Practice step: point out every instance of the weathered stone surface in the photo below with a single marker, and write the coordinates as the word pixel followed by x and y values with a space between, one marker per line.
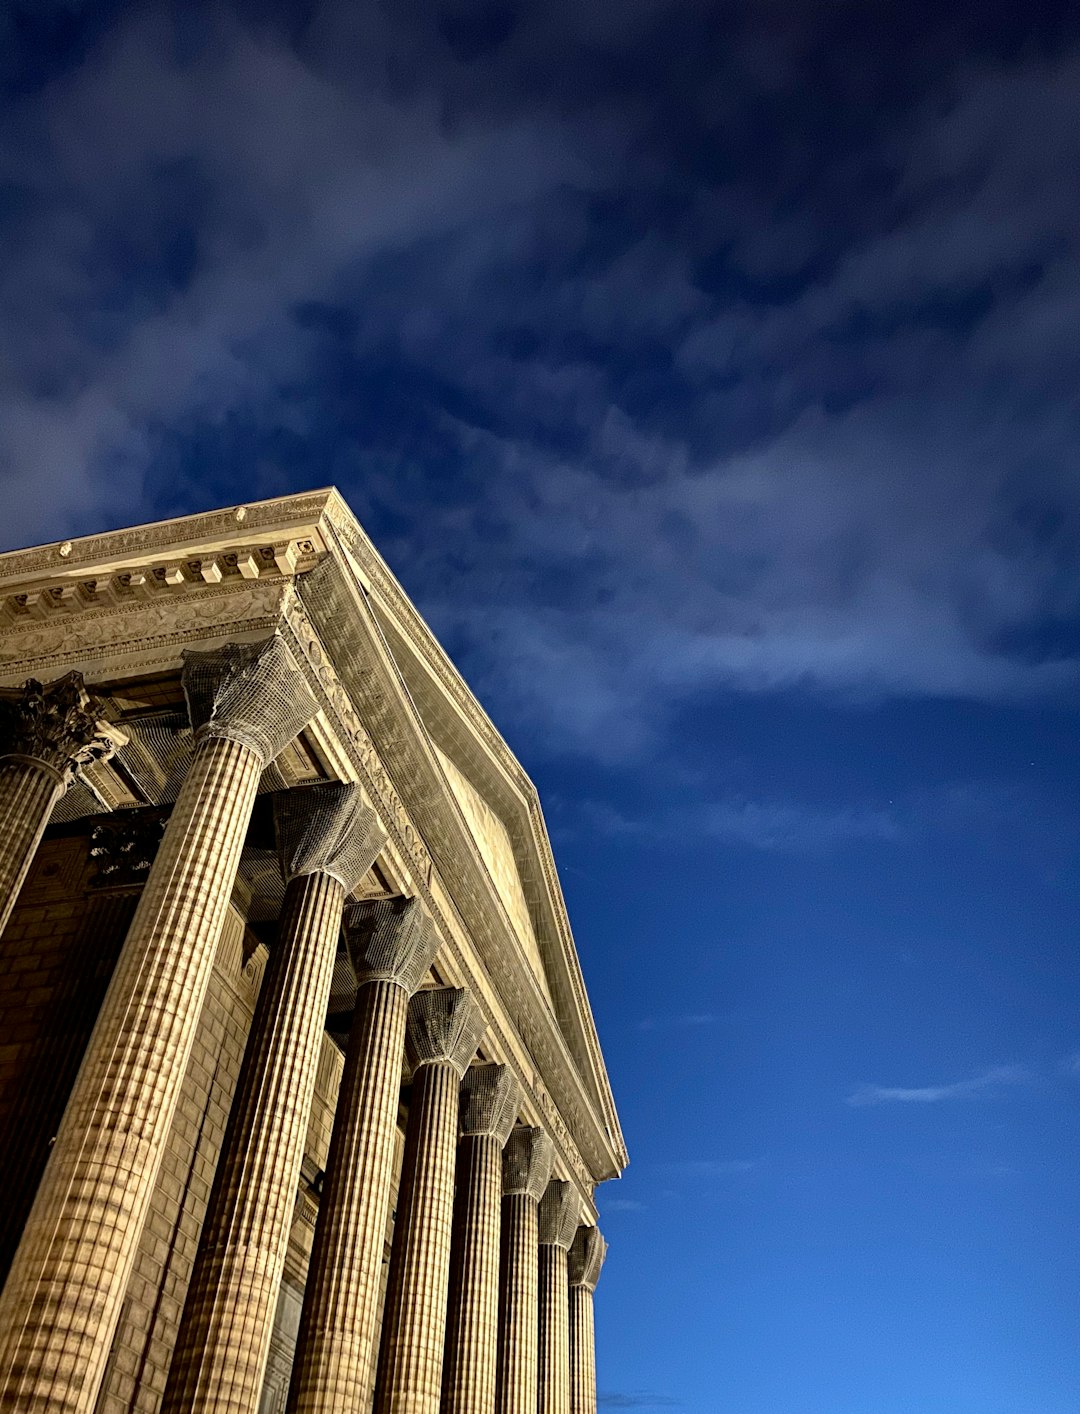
pixel 393 945
pixel 490 1098
pixel 61 1303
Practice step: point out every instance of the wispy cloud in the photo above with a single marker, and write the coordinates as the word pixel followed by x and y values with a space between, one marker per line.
pixel 1071 1064
pixel 637 1400
pixel 622 1205
pixel 985 1083
pixel 684 1021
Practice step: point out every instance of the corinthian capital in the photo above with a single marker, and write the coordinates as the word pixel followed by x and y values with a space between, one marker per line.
pixel 327 829
pixel 444 1027
pixel 490 1100
pixel 587 1253
pixel 252 693
pixel 60 724
pixel 527 1161
pixel 559 1214
pixel 391 940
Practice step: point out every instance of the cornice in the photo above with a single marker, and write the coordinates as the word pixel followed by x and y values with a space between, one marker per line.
pixel 134 543
pixel 338 706
pixel 375 691
pixel 381 581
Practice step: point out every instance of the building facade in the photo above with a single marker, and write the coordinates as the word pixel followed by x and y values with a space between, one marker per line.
pixel 301 1097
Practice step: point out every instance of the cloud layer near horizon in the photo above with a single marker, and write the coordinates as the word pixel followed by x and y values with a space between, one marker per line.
pixel 662 355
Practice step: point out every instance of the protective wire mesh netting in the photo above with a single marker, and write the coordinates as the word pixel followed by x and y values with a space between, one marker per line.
pixel 558 1214
pixel 527 1162
pixel 327 829
pixel 445 1024
pixel 587 1253
pixel 391 940
pixel 490 1100
pixel 249 692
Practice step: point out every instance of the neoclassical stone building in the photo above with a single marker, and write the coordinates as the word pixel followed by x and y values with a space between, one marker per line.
pixel 301 1101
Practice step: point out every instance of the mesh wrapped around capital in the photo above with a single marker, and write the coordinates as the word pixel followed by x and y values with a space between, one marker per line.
pixel 252 693
pixel 327 829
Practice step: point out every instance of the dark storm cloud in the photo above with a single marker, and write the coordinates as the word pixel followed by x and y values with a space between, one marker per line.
pixel 665 347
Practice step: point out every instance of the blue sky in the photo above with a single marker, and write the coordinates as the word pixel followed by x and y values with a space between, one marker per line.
pixel 708 376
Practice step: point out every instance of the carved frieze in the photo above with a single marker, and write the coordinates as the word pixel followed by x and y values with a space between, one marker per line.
pixel 141 628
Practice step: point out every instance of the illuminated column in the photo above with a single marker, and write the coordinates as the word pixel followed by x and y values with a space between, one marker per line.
pixel 392 943
pixel 558 1221
pixel 46 734
pixel 587 1254
pixel 527 1161
pixel 490 1100
pixel 327 840
pixel 445 1026
pixel 59 1309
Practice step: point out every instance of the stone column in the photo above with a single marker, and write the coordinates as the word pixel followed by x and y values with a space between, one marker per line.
pixel 46 735
pixel 490 1100
pixel 527 1161
pixel 445 1026
pixel 587 1254
pixel 558 1221
pixel 392 943
pixel 327 840
pixel 59 1309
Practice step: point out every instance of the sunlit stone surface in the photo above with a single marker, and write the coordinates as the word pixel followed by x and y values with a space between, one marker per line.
pixel 303 1066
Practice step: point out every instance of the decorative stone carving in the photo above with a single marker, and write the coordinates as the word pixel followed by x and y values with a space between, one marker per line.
pixel 558 1215
pixel 145 634
pixel 445 1026
pixel 587 1253
pixel 527 1161
pixel 252 693
pixel 327 829
pixel 490 1100
pixel 124 847
pixel 59 724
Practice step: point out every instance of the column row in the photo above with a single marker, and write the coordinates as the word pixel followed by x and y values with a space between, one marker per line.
pixel 488 1300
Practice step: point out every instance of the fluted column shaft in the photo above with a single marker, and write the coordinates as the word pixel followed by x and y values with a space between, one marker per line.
pixel 582 1352
pixel 444 1027
pixel 527 1161
pixel 224 1338
pixel 554 1344
pixel 585 1259
pixel 28 791
pixel 332 1366
pixel 519 1316
pixel 473 1316
pixel 558 1222
pixel 490 1100
pixel 61 1303
pixel 410 1374
pixel 62 1298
